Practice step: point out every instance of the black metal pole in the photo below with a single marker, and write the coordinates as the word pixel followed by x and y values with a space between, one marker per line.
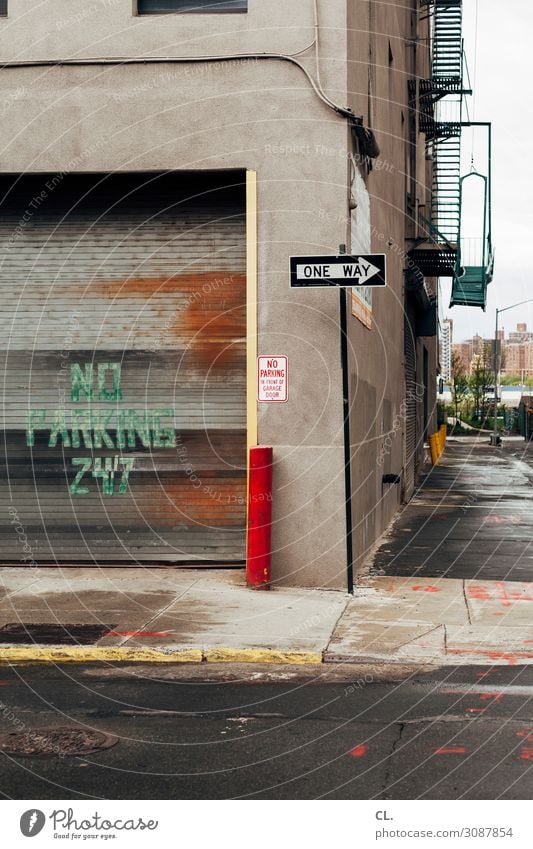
pixel 346 426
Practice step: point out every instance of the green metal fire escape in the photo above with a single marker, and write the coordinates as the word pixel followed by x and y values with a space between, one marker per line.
pixel 437 251
pixel 475 256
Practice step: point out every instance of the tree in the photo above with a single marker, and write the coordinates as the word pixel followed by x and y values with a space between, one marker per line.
pixel 458 382
pixel 481 380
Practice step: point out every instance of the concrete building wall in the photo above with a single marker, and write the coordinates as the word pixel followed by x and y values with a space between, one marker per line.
pixel 377 83
pixel 261 115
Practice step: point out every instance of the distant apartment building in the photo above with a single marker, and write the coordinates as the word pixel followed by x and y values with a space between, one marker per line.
pixel 464 352
pixel 520 335
pixel 469 349
pixel 518 353
pixel 528 358
pixel 514 358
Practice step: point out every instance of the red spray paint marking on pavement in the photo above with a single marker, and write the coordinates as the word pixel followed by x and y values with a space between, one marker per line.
pixel 477 592
pixel 526 754
pixel 425 589
pixel 527 734
pixel 450 750
pixel 502 593
pixel 139 633
pixel 359 751
pixel 512 658
pixel 493 697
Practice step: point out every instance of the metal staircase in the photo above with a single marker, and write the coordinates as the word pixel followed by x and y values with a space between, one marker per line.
pixel 439 104
pixel 445 194
pixel 447 64
pixel 447 94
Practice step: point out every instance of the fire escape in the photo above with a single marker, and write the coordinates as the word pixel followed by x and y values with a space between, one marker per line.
pixel 439 249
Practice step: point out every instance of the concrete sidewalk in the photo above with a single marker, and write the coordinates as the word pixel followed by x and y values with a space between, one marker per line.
pixel 209 615
pixel 172 615
pixel 444 621
pixel 449 585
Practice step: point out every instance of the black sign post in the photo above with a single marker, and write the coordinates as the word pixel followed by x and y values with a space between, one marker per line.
pixel 338 271
pixel 342 272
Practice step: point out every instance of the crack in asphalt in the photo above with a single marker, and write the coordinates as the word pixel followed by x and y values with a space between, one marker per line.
pixel 388 765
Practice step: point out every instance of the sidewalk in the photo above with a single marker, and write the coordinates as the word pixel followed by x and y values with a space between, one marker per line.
pixel 163 615
pixel 451 584
pixel 453 578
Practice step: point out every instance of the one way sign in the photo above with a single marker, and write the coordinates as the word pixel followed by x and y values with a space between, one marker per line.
pixel 345 270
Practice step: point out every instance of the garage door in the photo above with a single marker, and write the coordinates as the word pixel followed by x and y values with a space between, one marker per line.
pixel 123 357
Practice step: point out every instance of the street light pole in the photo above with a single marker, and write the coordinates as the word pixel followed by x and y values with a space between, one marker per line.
pixel 497 367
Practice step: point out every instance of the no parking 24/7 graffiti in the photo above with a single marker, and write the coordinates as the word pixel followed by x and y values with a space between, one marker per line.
pixel 93 427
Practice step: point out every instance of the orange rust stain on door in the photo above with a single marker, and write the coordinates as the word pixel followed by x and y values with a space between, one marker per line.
pixel 209 316
pixel 215 323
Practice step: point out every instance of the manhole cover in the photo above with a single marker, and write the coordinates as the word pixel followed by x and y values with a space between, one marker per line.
pixel 53 633
pixel 55 742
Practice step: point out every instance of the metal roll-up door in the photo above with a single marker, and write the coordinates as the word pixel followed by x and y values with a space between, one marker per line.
pixel 411 410
pixel 123 358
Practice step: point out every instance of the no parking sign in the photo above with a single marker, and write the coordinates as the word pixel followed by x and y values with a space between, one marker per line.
pixel 273 379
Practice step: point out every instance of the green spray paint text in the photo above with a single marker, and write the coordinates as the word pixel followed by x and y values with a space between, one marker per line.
pixel 100 428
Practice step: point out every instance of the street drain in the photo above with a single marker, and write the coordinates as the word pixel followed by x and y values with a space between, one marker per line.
pixel 55 742
pixel 54 633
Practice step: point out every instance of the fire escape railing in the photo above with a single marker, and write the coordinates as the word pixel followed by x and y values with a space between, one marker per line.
pixel 439 105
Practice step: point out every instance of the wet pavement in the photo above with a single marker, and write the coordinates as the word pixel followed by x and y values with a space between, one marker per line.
pixel 471 517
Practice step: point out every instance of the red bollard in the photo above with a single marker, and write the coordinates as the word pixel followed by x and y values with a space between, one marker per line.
pixel 259 519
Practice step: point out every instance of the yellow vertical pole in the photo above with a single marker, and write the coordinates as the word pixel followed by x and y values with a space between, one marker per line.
pixel 251 328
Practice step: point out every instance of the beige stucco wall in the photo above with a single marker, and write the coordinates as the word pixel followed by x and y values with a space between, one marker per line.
pixel 377 88
pixel 257 115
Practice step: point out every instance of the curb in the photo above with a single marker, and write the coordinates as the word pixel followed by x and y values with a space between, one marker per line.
pixel 122 654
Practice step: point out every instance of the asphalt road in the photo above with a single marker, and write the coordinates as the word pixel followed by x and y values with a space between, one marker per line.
pixel 274 733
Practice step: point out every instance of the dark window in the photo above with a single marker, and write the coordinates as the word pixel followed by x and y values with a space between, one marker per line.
pixel 3 7
pixel 154 7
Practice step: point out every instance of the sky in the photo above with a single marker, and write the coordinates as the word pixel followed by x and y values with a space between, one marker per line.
pixel 500 65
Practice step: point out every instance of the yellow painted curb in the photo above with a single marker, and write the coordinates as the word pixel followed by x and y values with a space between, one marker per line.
pixel 231 655
pixel 88 654
pixel 91 654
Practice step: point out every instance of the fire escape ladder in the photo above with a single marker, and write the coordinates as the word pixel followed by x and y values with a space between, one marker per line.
pixel 475 258
pixel 439 104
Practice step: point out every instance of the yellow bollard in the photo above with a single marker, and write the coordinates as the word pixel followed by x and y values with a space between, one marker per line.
pixel 443 435
pixel 434 448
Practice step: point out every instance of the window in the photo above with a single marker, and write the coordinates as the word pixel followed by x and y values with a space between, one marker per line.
pixel 155 7
pixel 3 8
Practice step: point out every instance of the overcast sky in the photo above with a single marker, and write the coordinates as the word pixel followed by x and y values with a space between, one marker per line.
pixel 503 95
